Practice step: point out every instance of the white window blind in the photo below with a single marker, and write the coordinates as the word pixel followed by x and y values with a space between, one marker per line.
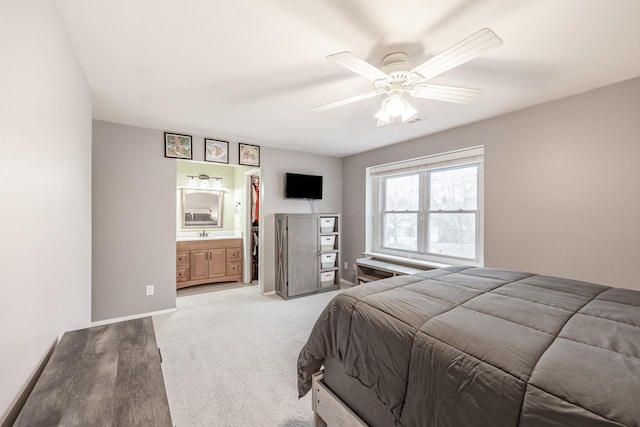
pixel 452 158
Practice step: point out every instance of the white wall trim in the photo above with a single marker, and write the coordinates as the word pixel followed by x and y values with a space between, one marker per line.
pixel 269 293
pixel 132 317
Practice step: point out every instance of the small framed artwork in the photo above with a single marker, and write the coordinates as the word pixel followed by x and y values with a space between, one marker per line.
pixel 177 146
pixel 249 155
pixel 216 151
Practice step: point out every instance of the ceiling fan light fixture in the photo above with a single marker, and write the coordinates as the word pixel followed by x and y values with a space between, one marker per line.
pixel 383 116
pixel 394 105
pixel 408 112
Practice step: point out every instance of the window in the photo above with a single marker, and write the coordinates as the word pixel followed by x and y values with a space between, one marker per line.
pixel 429 209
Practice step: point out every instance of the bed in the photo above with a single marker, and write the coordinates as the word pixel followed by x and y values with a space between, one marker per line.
pixel 464 346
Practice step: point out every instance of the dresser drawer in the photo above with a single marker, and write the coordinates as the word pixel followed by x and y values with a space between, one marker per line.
pixel 233 268
pixel 183 258
pixel 182 274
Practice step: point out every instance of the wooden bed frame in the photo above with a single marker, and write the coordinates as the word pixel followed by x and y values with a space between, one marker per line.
pixel 328 409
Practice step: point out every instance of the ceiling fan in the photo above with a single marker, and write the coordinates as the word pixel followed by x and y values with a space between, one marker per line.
pixel 397 77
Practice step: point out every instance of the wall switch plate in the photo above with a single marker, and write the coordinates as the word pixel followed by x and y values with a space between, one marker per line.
pixel 346 265
pixel 150 289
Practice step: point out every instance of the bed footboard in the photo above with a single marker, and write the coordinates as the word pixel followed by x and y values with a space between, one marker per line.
pixel 328 409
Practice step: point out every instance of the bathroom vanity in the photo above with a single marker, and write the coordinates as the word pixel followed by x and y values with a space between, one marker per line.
pixel 212 260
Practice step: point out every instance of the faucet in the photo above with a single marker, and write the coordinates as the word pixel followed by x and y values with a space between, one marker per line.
pixel 203 234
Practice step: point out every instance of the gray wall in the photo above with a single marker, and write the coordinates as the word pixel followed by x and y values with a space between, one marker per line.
pixel 134 205
pixel 561 186
pixel 134 224
pixel 275 163
pixel 45 190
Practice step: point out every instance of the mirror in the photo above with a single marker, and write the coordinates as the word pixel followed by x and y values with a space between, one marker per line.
pixel 201 208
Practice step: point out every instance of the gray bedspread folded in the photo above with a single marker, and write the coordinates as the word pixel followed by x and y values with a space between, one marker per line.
pixel 466 346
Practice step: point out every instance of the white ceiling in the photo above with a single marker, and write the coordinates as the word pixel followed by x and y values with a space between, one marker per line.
pixel 249 70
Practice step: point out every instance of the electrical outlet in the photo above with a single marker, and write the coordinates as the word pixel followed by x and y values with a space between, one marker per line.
pixel 150 289
pixel 353 267
pixel 346 265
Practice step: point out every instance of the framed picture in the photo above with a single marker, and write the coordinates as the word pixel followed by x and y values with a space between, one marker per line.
pixel 249 155
pixel 177 146
pixel 216 151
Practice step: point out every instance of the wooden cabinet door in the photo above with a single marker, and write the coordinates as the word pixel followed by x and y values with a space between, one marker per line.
pixel 217 262
pixel 199 264
pixel 302 254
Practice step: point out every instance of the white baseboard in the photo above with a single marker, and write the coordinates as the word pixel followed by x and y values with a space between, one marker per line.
pixel 269 293
pixel 132 317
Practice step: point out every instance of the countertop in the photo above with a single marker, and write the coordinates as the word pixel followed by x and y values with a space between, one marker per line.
pixel 213 237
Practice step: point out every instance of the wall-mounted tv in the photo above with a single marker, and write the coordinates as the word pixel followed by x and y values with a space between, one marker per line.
pixel 299 186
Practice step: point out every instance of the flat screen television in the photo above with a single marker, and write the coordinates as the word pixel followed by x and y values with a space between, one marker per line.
pixel 299 186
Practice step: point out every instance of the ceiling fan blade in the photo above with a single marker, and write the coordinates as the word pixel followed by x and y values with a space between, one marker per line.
pixel 460 95
pixel 346 101
pixel 458 54
pixel 358 66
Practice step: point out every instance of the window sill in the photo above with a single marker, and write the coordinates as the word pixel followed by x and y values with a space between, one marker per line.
pixel 406 261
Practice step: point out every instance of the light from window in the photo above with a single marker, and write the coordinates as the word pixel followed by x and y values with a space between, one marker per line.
pixel 453 189
pixel 402 193
pixel 452 234
pixel 452 227
pixel 401 204
pixel 400 231
pixel 430 211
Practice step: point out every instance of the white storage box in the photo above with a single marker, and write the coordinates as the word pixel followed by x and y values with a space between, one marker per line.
pixel 327 278
pixel 327 242
pixel 327 224
pixel 328 260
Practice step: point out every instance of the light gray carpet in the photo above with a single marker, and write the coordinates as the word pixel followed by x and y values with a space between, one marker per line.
pixel 229 358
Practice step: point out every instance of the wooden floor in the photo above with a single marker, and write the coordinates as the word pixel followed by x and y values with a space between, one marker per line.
pixel 102 376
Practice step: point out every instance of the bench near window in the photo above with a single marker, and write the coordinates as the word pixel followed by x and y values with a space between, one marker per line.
pixel 370 269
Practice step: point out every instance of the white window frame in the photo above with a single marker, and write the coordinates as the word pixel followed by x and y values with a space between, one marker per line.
pixel 375 200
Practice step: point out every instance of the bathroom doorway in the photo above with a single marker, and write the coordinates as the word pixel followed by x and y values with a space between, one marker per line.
pixel 236 222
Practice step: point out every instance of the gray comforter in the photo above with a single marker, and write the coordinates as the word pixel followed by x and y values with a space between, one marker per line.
pixel 483 347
